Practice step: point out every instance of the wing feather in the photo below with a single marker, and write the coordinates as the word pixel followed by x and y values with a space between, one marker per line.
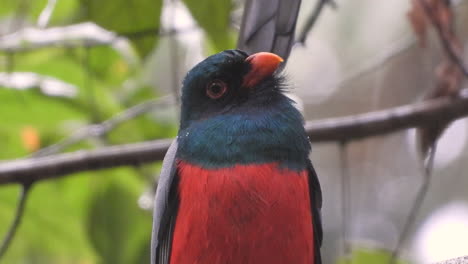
pixel 165 208
pixel 315 193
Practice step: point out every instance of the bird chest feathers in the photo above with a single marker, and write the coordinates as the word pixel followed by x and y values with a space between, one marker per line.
pixel 243 189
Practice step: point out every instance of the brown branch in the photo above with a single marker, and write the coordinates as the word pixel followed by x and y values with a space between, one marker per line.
pixel 35 169
pixel 334 129
pixel 450 50
pixel 388 121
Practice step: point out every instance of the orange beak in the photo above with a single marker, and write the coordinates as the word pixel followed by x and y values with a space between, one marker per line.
pixel 263 64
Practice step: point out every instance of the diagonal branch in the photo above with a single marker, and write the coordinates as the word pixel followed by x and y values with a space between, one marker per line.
pixel 449 48
pixel 46 14
pixel 313 18
pixel 418 201
pixel 334 129
pixel 97 130
pixel 16 219
pixel 390 120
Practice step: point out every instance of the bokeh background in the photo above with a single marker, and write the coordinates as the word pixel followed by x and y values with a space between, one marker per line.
pixel 66 64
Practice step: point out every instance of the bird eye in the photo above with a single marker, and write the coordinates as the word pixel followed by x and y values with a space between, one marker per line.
pixel 216 89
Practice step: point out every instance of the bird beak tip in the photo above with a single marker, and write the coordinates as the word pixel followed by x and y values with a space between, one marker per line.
pixel 263 64
pixel 265 58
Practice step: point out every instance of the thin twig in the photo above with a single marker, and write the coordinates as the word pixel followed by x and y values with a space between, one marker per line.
pixel 345 200
pixel 20 13
pixel 97 130
pixel 313 18
pixel 89 87
pixel 338 129
pixel 17 218
pixel 46 14
pixel 448 47
pixel 421 194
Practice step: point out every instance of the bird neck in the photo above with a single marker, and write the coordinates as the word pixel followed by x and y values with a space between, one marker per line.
pixel 254 135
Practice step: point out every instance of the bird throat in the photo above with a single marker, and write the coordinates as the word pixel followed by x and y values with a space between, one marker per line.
pixel 255 137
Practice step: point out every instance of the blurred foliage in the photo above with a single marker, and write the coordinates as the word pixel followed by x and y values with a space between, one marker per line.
pixel 211 16
pixel 92 217
pixel 125 17
pixel 364 255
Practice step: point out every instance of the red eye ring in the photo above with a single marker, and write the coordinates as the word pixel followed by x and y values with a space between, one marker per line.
pixel 216 89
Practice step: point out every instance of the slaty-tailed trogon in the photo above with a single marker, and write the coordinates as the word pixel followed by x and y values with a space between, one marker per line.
pixel 237 185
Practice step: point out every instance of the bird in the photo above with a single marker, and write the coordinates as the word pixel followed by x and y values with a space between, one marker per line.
pixel 237 184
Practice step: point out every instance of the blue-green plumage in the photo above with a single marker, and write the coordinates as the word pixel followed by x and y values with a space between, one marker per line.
pixel 272 133
pixel 246 126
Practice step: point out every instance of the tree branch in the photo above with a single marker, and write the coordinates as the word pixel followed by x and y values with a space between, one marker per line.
pixel 313 18
pixel 47 85
pixel 78 35
pixel 35 169
pixel 97 130
pixel 418 201
pixel 46 14
pixel 449 48
pixel 16 220
pixel 69 36
pixel 390 120
pixel 345 202
pixel 333 129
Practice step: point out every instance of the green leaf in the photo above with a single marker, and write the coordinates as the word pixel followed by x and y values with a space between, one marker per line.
pixel 64 12
pixel 107 65
pixel 214 17
pixel 28 9
pixel 125 16
pixel 51 231
pixel 117 227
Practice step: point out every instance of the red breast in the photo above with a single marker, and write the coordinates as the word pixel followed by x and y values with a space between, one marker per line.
pixel 242 214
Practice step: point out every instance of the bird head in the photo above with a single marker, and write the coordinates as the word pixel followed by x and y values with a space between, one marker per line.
pixel 229 81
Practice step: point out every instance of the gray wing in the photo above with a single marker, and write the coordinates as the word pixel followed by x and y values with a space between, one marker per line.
pixel 268 25
pixel 162 218
pixel 315 193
